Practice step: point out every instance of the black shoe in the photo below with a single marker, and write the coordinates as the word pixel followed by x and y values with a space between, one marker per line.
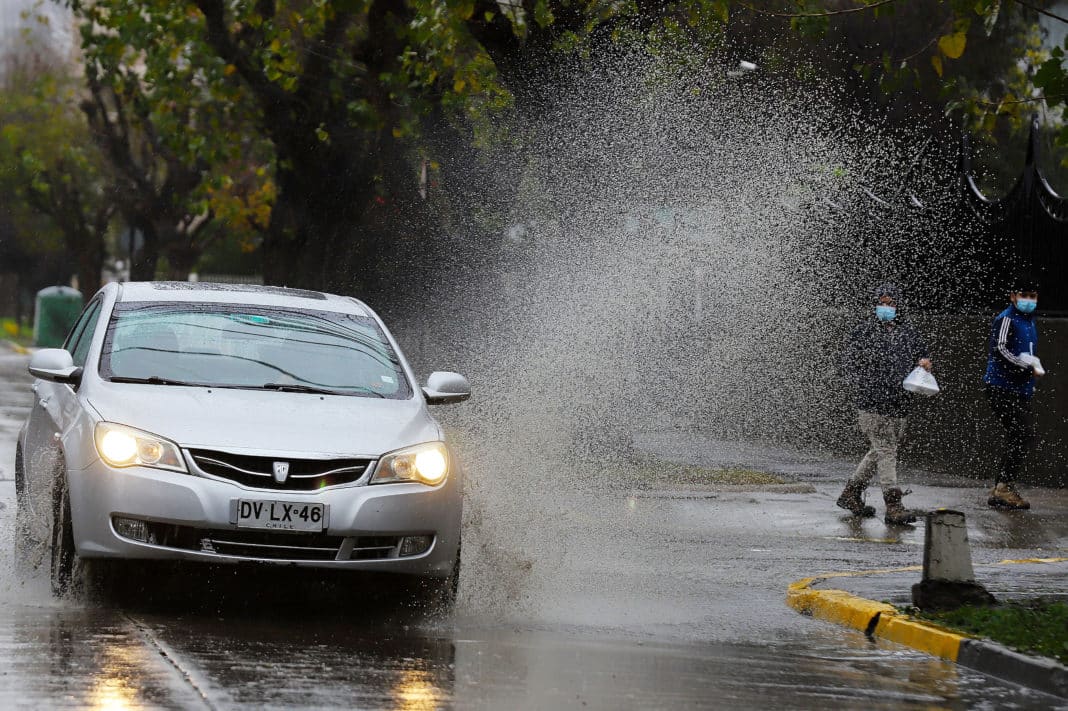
pixel 851 501
pixel 896 514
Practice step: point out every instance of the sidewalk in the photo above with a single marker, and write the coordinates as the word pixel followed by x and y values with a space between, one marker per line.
pixel 1006 581
pixel 876 553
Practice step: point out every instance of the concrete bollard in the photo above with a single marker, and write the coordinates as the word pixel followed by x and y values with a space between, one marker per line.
pixel 948 576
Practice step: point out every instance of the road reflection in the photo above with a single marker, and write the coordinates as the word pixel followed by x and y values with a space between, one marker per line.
pixel 381 655
pixel 80 658
pixel 416 691
pixel 114 688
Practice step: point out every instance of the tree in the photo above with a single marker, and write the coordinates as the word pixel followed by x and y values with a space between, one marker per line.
pixel 350 96
pixel 47 152
pixel 173 127
pixel 331 98
pixel 978 61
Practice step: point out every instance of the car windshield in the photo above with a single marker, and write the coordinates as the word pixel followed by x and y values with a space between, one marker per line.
pixel 224 345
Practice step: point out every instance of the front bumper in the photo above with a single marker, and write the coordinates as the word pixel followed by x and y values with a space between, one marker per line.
pixel 195 508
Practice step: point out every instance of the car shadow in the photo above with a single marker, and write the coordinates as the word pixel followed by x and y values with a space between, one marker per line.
pixel 255 591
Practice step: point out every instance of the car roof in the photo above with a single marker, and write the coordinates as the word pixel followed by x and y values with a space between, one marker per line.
pixel 246 294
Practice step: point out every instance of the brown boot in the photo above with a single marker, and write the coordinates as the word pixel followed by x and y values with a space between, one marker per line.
pixel 896 514
pixel 1005 496
pixel 851 500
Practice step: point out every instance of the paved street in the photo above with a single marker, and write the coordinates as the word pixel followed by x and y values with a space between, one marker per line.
pixel 571 598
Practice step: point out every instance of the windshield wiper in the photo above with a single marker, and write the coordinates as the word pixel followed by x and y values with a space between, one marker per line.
pixel 156 380
pixel 298 388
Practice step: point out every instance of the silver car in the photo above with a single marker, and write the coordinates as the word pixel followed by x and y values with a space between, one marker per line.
pixel 223 423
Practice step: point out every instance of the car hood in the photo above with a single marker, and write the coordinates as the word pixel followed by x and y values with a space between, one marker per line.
pixel 267 421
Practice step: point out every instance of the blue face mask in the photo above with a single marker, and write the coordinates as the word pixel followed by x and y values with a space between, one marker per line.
pixel 885 313
pixel 1026 305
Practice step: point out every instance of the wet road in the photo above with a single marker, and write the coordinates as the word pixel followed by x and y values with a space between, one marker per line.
pixel 584 599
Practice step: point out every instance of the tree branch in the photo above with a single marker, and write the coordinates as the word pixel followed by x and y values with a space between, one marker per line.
pixel 219 37
pixel 316 62
pixel 1041 11
pixel 826 13
pixel 1033 99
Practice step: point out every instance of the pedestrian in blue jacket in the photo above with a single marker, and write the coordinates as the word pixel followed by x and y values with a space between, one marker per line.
pixel 876 357
pixel 1009 383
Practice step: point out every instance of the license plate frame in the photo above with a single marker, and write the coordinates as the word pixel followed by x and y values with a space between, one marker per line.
pixel 278 515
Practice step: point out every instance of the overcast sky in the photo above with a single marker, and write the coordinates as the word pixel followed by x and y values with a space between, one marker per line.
pixel 57 33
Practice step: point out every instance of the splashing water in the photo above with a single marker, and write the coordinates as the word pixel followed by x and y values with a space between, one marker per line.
pixel 683 250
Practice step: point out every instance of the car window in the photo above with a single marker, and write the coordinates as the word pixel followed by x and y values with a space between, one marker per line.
pixel 84 336
pixel 78 327
pixel 228 345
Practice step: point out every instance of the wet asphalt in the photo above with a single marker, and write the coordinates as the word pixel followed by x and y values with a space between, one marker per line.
pixel 605 600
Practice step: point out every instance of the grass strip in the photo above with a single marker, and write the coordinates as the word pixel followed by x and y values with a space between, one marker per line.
pixel 21 334
pixel 1038 626
pixel 649 472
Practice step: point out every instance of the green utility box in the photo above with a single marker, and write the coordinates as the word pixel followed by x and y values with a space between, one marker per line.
pixel 57 310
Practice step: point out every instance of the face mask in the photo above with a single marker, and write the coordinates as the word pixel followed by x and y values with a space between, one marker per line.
pixel 1026 305
pixel 885 313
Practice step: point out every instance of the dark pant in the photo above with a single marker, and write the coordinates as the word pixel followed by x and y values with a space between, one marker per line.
pixel 1013 411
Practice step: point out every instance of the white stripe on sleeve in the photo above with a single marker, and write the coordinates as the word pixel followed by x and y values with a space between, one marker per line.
pixel 1003 349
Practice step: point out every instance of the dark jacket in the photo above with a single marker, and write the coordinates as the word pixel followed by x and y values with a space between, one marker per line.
pixel 1011 334
pixel 875 360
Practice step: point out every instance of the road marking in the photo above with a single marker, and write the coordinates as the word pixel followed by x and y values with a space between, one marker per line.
pixel 185 672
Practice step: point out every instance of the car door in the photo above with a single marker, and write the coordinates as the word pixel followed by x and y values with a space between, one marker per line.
pixel 54 407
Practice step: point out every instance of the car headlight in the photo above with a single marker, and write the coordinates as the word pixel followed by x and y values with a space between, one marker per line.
pixel 425 463
pixel 122 446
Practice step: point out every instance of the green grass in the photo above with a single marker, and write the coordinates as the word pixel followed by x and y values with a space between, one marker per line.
pixel 1038 626
pixel 11 331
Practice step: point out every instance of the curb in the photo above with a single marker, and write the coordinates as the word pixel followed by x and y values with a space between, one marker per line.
pixel 884 621
pixel 21 350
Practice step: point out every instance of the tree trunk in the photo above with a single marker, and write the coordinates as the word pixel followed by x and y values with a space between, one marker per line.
pixel 90 255
pixel 143 262
pixel 182 257
pixel 318 213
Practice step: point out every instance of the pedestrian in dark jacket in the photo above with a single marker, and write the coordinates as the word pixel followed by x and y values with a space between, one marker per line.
pixel 878 355
pixel 1009 383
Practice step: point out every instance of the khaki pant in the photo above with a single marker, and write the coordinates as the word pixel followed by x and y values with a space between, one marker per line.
pixel 885 434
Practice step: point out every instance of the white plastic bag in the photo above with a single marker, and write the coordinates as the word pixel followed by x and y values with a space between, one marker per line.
pixel 1034 362
pixel 921 382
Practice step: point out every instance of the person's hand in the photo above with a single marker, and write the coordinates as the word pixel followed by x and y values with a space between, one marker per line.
pixel 924 363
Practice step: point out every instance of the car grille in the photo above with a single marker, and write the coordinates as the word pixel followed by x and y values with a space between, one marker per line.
pixel 257 472
pixel 270 545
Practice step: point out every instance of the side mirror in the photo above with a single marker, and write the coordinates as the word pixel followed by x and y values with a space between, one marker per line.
pixel 443 388
pixel 55 364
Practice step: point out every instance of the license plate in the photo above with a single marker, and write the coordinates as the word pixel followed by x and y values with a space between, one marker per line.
pixel 280 515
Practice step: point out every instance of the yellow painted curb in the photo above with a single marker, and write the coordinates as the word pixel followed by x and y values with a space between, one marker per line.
pixel 923 636
pixel 21 350
pixel 838 606
pixel 846 609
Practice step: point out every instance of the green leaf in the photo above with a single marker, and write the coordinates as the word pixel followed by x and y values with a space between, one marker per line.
pixel 953 106
pixel 543 15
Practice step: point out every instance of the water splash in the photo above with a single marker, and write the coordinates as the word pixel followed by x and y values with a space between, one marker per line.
pixel 684 249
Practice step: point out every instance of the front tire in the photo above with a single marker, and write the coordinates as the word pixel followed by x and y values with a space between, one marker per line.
pixel 64 554
pixel 441 592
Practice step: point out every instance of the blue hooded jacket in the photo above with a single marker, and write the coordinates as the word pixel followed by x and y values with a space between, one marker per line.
pixel 1011 334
